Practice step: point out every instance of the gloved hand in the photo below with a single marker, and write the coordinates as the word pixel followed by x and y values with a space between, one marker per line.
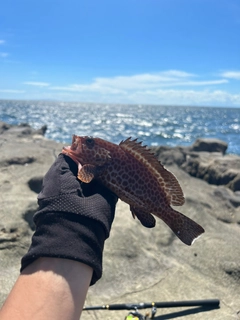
pixel 73 220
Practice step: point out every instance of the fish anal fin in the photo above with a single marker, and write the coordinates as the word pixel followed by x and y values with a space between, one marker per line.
pixel 133 214
pixel 184 228
pixel 146 219
pixel 87 173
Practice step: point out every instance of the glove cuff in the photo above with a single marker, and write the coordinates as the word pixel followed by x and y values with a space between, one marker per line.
pixel 68 236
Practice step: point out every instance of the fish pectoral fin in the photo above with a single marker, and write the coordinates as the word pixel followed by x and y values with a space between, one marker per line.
pixel 87 173
pixel 146 219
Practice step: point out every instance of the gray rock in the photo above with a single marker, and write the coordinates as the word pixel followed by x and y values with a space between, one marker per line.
pixel 139 264
pixel 4 126
pixel 214 168
pixel 21 130
pixel 234 184
pixel 209 145
pixel 209 163
pixel 170 156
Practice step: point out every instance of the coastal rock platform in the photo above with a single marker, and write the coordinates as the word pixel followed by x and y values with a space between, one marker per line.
pixel 140 265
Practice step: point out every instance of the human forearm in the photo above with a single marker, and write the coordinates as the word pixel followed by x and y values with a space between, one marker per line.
pixel 49 288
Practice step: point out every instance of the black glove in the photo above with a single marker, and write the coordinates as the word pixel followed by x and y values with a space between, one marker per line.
pixel 74 219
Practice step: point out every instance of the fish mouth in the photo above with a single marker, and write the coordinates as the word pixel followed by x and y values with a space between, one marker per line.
pixel 75 150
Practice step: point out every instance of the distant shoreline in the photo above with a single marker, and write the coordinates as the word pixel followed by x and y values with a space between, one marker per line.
pixel 116 104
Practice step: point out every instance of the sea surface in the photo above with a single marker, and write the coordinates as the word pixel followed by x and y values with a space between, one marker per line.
pixel 154 125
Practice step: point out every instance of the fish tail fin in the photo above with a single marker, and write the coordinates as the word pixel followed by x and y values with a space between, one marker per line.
pixel 184 228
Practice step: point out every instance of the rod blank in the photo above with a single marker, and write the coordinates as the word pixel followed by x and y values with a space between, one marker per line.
pixel 210 303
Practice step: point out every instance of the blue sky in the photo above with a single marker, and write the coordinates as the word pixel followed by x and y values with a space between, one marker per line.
pixel 176 52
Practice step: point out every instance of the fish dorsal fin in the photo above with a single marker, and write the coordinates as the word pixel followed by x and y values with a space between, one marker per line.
pixel 165 178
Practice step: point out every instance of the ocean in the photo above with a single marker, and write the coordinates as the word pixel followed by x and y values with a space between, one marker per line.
pixel 154 125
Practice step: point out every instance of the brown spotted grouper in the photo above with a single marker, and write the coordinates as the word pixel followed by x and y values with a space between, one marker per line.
pixel 134 174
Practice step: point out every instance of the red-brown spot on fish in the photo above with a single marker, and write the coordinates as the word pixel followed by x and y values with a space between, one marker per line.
pixel 133 173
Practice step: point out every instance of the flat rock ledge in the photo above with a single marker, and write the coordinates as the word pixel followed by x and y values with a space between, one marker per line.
pixel 140 265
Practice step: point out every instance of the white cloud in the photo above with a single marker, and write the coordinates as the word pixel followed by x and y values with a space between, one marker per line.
pixel 166 87
pixel 93 87
pixel 145 80
pixel 11 91
pixel 231 74
pixel 188 97
pixel 4 54
pixel 37 84
pixel 124 84
pixel 177 73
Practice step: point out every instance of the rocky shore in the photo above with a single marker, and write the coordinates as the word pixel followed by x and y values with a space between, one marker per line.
pixel 140 265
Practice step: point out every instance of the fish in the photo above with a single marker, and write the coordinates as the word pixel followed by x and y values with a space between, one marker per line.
pixel 137 177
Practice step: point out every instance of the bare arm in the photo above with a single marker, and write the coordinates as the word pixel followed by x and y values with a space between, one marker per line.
pixel 49 288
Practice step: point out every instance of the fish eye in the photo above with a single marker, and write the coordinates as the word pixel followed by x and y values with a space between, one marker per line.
pixel 90 142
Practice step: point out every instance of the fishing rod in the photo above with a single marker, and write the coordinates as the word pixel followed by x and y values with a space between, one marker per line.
pixel 210 304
